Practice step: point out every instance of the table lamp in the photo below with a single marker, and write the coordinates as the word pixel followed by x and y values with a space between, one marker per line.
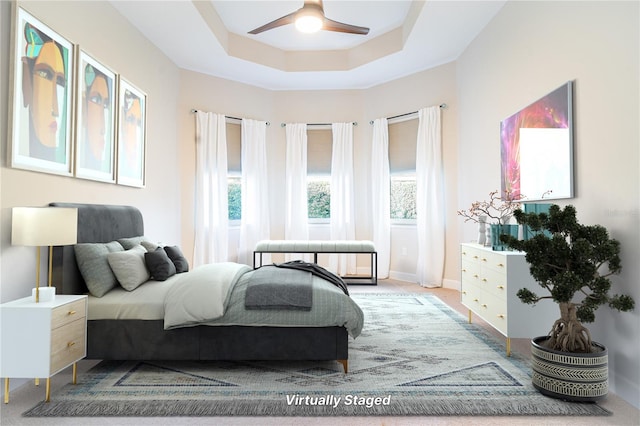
pixel 44 226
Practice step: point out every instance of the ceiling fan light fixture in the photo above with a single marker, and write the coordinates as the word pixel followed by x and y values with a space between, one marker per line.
pixel 309 21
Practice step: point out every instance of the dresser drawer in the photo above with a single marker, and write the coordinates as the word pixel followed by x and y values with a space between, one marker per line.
pixel 494 261
pixel 470 296
pixel 68 313
pixel 68 344
pixel 491 309
pixel 495 283
pixel 495 312
pixel 471 254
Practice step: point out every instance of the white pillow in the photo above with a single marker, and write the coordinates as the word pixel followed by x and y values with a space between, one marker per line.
pixel 129 267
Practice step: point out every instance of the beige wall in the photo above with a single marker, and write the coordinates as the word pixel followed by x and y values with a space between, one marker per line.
pixel 529 49
pixel 100 30
pixel 427 88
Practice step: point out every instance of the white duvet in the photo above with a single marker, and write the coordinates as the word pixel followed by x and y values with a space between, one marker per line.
pixel 201 295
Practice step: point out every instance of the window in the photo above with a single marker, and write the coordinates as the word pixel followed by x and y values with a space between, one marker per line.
pixel 402 168
pixel 403 196
pixel 319 197
pixel 234 171
pixel 319 146
pixel 234 192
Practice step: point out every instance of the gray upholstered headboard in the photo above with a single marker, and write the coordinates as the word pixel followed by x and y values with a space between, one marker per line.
pixel 97 223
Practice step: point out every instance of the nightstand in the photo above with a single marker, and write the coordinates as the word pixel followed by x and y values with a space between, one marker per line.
pixel 41 339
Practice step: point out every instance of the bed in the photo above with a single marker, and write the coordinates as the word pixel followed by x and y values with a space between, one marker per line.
pixel 121 329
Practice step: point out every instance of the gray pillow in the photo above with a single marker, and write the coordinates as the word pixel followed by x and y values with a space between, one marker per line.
pixel 149 245
pixel 94 266
pixel 159 264
pixel 129 268
pixel 178 259
pixel 129 243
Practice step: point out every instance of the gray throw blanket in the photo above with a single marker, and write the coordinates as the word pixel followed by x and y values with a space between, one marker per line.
pixel 316 270
pixel 275 288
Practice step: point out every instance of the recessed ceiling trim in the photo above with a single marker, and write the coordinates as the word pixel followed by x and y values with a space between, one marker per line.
pixel 213 21
pixel 242 47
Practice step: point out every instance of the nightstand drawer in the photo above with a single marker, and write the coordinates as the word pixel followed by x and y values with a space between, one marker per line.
pixel 68 344
pixel 68 313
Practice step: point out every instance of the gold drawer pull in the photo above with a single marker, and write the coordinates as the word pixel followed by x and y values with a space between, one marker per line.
pixel 71 313
pixel 464 292
pixel 501 316
pixel 475 300
pixel 484 280
pixel 484 305
pixel 475 257
pixel 500 287
pixel 501 265
pixel 464 270
pixel 70 344
pixel 464 253
pixel 484 259
pixel 475 275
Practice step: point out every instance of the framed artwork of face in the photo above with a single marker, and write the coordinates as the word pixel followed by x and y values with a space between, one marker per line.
pixel 132 104
pixel 42 98
pixel 95 131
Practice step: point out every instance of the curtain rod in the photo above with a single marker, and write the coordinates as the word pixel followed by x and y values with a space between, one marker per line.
pixel 442 106
pixel 193 111
pixel 355 123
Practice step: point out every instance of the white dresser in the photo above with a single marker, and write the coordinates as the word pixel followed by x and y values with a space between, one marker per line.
pixel 41 339
pixel 489 283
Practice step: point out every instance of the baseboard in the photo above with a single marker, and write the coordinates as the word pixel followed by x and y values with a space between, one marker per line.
pixel 411 278
pixel 403 276
pixel 452 284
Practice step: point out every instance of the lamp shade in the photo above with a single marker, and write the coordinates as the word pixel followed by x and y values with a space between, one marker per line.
pixel 44 226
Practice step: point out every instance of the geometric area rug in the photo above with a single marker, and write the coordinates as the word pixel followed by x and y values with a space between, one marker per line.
pixel 415 357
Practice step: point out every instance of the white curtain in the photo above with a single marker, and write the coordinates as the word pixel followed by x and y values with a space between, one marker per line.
pixel 342 223
pixel 254 222
pixel 381 193
pixel 430 206
pixel 296 211
pixel 211 202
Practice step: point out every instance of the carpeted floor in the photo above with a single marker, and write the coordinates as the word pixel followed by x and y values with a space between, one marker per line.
pixel 416 357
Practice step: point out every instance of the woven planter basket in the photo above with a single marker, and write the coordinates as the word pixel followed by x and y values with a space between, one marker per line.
pixel 570 376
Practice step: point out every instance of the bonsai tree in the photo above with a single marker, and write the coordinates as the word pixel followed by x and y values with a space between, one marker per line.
pixel 573 263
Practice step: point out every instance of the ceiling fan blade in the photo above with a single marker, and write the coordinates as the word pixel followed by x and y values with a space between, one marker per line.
pixel 285 20
pixel 331 25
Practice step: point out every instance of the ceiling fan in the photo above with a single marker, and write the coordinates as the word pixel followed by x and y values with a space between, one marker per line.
pixel 310 18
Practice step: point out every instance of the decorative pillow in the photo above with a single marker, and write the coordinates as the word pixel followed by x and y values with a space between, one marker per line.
pixel 149 245
pixel 178 259
pixel 129 243
pixel 129 267
pixel 159 264
pixel 94 266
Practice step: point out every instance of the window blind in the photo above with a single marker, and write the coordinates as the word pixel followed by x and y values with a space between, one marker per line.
pixel 233 147
pixel 319 146
pixel 402 146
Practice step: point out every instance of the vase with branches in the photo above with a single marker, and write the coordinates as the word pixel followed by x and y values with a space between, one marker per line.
pixel 498 208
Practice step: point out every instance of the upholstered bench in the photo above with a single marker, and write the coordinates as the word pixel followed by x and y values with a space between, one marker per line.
pixel 318 246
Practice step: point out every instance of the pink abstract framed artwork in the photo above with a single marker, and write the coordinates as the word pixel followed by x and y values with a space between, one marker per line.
pixel 536 148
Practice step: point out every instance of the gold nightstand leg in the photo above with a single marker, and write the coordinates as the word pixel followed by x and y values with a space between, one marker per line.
pixel 6 390
pixel 75 373
pixel 47 392
pixel 37 381
pixel 508 346
pixel 470 316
